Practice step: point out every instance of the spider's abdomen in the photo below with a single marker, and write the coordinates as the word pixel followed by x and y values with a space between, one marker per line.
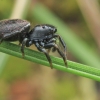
pixel 10 29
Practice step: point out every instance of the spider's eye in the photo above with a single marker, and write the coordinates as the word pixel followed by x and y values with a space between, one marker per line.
pixel 55 30
pixel 43 26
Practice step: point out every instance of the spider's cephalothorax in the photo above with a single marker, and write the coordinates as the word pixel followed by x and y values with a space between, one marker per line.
pixel 43 36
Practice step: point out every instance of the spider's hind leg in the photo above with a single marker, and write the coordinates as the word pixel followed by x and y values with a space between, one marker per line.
pixel 23 46
pixel 1 40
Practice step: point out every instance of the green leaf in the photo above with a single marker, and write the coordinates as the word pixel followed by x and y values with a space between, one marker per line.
pixel 37 57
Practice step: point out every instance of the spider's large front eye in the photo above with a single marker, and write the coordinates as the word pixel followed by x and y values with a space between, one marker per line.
pixel 43 26
pixel 55 30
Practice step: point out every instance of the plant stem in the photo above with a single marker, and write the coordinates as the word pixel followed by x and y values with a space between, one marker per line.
pixel 37 57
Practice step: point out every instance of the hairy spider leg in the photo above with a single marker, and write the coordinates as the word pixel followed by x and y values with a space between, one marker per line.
pixel 62 42
pixel 52 44
pixel 45 52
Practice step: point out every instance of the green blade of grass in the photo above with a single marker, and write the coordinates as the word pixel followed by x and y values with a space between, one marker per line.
pixel 37 57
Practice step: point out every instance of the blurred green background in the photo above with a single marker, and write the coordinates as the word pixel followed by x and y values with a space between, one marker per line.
pixel 78 22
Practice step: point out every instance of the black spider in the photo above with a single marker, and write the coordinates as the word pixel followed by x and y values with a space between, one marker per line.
pixel 43 36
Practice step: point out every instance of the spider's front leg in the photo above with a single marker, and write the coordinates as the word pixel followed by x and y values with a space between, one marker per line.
pixel 62 42
pixel 49 45
pixel 40 48
pixel 53 40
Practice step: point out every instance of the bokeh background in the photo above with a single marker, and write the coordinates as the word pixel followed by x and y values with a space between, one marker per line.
pixel 24 80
